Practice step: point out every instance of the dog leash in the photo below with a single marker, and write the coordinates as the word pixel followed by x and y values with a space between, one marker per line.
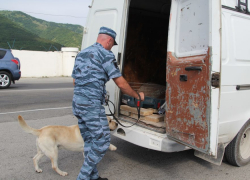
pixel 138 107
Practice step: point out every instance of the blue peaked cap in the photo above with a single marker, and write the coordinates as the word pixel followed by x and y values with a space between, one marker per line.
pixel 108 31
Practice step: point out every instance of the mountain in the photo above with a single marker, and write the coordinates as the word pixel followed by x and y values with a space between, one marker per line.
pixel 65 34
pixel 21 38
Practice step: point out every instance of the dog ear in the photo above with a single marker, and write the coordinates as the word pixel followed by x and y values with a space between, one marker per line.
pixel 108 118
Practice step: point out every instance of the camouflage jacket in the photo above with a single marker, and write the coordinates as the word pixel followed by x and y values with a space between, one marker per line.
pixel 94 66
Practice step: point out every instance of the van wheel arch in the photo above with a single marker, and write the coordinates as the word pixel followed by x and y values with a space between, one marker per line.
pixel 237 151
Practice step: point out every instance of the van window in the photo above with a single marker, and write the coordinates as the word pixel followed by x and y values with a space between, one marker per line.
pixel 192 32
pixel 240 6
pixel 240 37
pixel 2 54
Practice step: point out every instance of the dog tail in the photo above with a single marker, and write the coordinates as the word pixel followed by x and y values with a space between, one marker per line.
pixel 27 128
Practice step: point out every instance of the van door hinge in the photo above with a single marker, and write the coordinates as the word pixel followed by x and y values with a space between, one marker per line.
pixel 216 79
pixel 85 30
pixel 119 58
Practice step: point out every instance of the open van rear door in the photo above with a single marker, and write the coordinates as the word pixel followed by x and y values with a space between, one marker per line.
pixel 193 60
pixel 107 13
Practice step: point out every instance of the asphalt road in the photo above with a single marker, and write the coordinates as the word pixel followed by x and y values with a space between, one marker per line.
pixel 37 98
pixel 47 101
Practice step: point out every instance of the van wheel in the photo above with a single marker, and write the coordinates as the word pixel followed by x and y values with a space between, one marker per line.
pixel 5 80
pixel 238 150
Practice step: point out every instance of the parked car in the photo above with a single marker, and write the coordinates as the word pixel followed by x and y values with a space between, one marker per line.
pixel 9 68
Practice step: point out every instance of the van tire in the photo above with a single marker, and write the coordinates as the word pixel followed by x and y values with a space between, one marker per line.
pixel 238 150
pixel 8 77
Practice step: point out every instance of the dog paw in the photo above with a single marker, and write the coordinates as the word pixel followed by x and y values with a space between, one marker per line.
pixel 39 170
pixel 112 147
pixel 63 173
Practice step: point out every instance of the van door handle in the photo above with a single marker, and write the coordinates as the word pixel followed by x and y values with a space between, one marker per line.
pixel 193 68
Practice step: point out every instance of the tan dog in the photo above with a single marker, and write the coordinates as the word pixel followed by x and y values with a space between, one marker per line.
pixel 50 138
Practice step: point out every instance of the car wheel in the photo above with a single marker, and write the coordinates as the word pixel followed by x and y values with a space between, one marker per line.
pixel 238 150
pixel 5 80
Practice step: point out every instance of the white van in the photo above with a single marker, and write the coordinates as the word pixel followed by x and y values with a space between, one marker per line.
pixel 199 50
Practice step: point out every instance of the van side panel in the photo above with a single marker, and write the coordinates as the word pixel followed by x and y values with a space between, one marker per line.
pixel 235 72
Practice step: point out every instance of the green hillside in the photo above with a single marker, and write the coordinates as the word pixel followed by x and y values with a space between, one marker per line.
pixel 65 34
pixel 22 39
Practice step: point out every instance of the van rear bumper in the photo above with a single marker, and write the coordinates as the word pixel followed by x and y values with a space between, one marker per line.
pixel 147 138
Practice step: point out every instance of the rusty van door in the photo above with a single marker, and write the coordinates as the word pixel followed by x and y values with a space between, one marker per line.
pixel 190 63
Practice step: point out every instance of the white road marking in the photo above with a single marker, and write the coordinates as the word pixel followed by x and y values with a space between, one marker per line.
pixel 46 109
pixel 14 90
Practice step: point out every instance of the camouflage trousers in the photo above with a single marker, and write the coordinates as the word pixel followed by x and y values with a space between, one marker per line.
pixel 95 131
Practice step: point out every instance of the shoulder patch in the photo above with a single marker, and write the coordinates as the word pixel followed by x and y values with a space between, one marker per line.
pixel 115 64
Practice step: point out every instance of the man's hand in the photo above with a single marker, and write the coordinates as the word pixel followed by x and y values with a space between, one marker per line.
pixel 142 96
pixel 126 89
pixel 74 82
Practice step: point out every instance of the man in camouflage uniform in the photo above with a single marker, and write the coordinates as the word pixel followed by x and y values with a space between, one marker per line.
pixel 94 66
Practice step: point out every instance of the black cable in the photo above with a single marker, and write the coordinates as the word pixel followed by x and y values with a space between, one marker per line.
pixel 138 107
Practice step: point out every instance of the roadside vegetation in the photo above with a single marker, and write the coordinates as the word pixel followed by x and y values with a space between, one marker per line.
pixel 29 33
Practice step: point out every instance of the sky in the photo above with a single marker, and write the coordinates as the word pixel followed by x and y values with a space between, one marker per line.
pixel 59 11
